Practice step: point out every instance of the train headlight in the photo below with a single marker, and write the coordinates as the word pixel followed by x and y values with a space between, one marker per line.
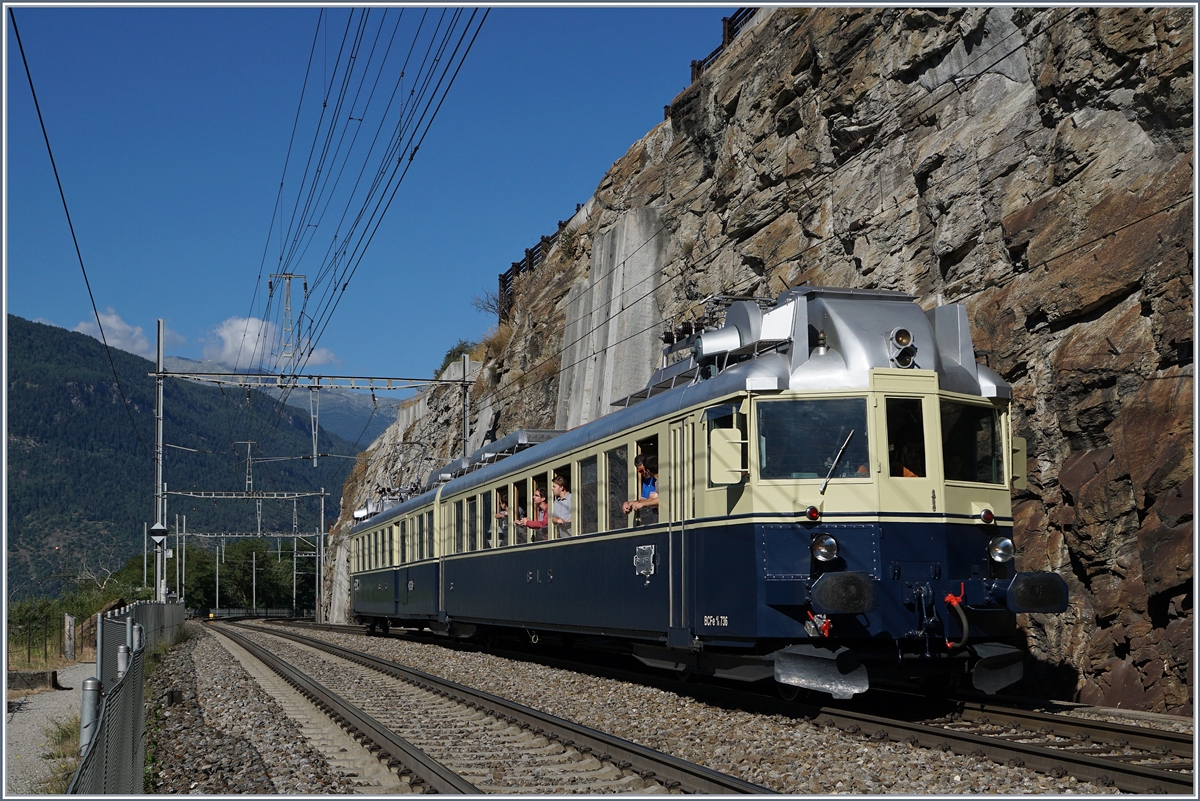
pixel 825 548
pixel 902 337
pixel 1000 549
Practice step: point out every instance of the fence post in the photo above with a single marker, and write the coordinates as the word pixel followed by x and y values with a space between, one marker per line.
pixel 89 715
pixel 122 661
pixel 99 644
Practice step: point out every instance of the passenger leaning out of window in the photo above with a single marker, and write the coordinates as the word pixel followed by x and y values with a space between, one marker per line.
pixel 562 507
pixel 541 519
pixel 646 505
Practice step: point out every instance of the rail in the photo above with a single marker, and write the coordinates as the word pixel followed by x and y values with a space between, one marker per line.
pixel 663 768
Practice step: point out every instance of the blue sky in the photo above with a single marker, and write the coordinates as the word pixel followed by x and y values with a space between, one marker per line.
pixel 170 128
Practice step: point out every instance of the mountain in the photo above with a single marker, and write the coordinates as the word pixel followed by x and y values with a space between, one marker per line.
pixel 80 467
pixel 351 415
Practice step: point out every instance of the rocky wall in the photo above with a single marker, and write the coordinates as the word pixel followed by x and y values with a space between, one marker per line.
pixel 1034 164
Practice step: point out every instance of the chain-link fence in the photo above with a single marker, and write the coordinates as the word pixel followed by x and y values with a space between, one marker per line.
pixel 113 719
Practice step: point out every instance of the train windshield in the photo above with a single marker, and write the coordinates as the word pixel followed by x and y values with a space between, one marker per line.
pixel 971 443
pixel 805 439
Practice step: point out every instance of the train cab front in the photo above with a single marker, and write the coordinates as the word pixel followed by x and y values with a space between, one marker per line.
pixel 902 502
pixel 874 614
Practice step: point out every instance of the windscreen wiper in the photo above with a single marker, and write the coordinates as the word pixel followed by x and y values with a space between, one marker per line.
pixel 836 459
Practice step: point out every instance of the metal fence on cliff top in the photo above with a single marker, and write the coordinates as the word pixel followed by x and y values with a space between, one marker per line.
pixel 534 257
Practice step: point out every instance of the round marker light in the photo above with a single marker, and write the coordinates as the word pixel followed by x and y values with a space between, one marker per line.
pixel 987 516
pixel 824 548
pixel 812 513
pixel 906 357
pixel 902 337
pixel 1000 549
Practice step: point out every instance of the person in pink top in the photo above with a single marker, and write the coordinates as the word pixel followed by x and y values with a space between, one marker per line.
pixel 541 518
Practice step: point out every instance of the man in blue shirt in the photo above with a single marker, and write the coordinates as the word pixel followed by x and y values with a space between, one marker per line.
pixel 647 503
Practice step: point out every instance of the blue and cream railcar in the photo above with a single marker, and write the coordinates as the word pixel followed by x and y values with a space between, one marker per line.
pixel 834 507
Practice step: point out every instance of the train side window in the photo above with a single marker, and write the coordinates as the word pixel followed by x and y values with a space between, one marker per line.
pixel 521 494
pixel 648 479
pixel 390 546
pixel 541 484
pixel 617 466
pixel 429 533
pixel 906 438
pixel 489 522
pixel 459 528
pixel 586 499
pixel 403 541
pixel 504 517
pixel 971 443
pixel 473 523
pixel 561 501
pixel 420 532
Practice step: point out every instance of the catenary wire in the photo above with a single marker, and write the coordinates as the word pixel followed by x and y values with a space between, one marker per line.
pixel 74 239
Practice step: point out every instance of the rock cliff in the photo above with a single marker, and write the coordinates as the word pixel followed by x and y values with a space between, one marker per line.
pixel 1033 164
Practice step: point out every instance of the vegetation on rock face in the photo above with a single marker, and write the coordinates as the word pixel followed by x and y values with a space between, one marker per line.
pixel 460 349
pixel 80 474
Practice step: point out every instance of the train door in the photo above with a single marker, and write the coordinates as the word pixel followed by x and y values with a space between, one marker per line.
pixel 679 509
pixel 908 455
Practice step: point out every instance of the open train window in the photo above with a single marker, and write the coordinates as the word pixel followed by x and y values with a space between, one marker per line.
pixel 617 465
pixel 390 546
pixel 906 438
pixel 539 508
pixel 520 494
pixel 403 541
pixel 429 533
pixel 586 499
pixel 504 517
pixel 648 469
pixel 971 443
pixel 420 536
pixel 562 502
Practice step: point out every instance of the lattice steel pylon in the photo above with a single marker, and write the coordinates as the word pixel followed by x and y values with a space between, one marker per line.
pixel 289 345
pixel 250 481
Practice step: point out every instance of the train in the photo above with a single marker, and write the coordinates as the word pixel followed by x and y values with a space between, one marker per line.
pixel 817 492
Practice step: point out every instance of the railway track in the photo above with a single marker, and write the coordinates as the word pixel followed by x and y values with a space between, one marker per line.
pixel 1130 758
pixel 447 738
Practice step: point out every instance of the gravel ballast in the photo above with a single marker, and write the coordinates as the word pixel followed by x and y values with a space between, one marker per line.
pixel 784 754
pixel 224 734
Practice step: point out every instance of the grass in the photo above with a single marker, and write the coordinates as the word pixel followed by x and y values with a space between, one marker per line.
pixel 63 739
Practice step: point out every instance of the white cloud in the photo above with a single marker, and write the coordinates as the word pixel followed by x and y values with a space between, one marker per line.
pixel 118 333
pixel 241 342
